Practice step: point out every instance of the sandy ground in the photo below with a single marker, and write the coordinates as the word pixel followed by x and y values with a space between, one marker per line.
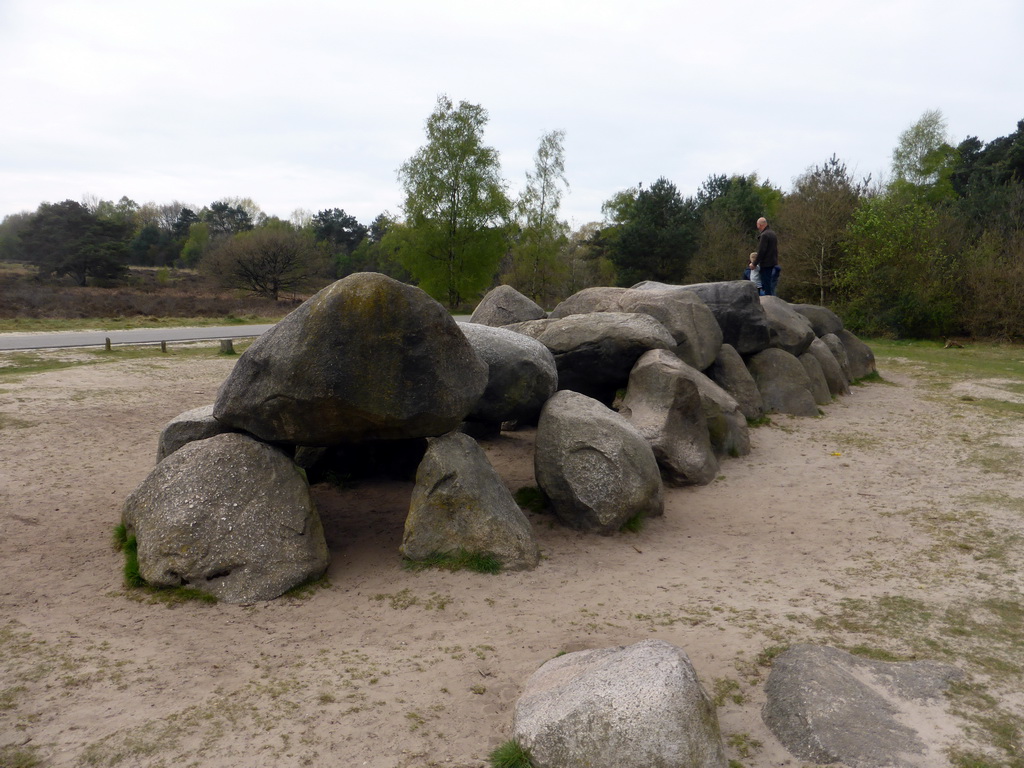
pixel 388 667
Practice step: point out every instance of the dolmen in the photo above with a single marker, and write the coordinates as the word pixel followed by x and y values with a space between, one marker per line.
pixel 630 389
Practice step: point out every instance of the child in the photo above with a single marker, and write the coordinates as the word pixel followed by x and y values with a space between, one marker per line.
pixel 753 273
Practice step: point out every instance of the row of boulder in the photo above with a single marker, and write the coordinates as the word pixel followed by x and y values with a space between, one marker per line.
pixel 630 389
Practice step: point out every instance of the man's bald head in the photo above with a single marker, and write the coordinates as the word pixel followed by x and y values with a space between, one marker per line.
pixel 762 223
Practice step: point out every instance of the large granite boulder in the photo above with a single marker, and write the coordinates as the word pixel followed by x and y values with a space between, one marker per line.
pixel 783 383
pixel 505 305
pixel 683 313
pixel 816 376
pixel 597 470
pixel 838 384
pixel 737 308
pixel 637 706
pixel 838 350
pixel 595 352
pixel 521 375
pixel 788 329
pixel 731 374
pixel 727 426
pixel 859 354
pixel 230 516
pixel 460 504
pixel 822 319
pixel 187 427
pixel 665 407
pixel 366 358
pixel 829 706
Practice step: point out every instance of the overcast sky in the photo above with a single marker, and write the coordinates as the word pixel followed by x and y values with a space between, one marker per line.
pixel 315 104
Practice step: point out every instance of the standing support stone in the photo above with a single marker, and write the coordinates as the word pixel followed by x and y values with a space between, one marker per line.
pixel 107 344
pixel 163 346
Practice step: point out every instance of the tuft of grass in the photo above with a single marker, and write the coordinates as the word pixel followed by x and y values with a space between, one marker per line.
pixel 133 579
pixel 727 689
pixel 460 560
pixel 761 421
pixel 531 498
pixel 635 524
pixel 510 755
pixel 308 588
pixel 13 756
pixel 767 655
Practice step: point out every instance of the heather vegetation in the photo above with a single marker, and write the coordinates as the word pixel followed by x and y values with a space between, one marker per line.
pixel 932 251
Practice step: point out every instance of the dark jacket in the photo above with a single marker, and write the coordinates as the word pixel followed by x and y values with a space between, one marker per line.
pixel 767 249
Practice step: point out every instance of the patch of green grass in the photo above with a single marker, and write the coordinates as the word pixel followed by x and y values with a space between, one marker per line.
pixel 726 689
pixel 20 757
pixel 744 745
pixel 510 755
pixel 763 420
pixel 872 378
pixel 767 655
pixel 134 581
pixel 531 498
pixel 635 524
pixel 308 588
pixel 460 560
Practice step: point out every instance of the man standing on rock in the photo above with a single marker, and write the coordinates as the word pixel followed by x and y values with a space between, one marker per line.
pixel 767 257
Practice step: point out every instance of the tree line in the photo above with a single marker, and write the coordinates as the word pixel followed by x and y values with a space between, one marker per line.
pixel 932 251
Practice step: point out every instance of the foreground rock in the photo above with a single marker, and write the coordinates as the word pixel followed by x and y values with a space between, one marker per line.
pixel 665 407
pixel 521 375
pixel 828 706
pixel 597 470
pixel 187 427
pixel 682 313
pixel 367 357
pixel 639 706
pixel 201 521
pixel 505 305
pixel 595 352
pixel 837 382
pixel 459 504
pixel 859 355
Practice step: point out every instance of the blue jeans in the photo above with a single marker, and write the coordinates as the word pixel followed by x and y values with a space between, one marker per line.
pixel 769 279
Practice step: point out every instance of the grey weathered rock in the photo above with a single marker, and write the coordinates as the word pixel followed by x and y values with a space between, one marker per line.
pixel 597 470
pixel 367 357
pixel 460 504
pixel 505 305
pixel 197 424
pixel 683 313
pixel 637 706
pixel 731 374
pixel 727 426
pixel 828 706
pixel 830 368
pixel 228 515
pixel 595 352
pixel 783 383
pixel 823 320
pixel 819 385
pixel 838 350
pixel 665 407
pixel 788 329
pixel 521 374
pixel 737 308
pixel 862 359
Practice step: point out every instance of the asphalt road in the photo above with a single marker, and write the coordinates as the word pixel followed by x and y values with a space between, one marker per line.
pixel 59 339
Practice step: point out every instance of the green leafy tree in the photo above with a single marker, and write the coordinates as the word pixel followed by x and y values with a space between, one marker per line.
pixel 196 245
pixel 536 269
pixel 455 206
pixel 13 225
pixel 224 219
pixel 66 239
pixel 268 261
pixel 814 217
pixel 654 236
pixel 897 275
pixel 728 209
pixel 924 160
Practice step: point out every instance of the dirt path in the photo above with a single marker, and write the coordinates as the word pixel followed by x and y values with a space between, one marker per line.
pixel 881 525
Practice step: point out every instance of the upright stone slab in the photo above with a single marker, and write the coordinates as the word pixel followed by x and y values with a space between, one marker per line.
pixel 459 503
pixel 783 383
pixel 597 470
pixel 367 358
pixel 505 305
pixel 228 515
pixel 731 374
